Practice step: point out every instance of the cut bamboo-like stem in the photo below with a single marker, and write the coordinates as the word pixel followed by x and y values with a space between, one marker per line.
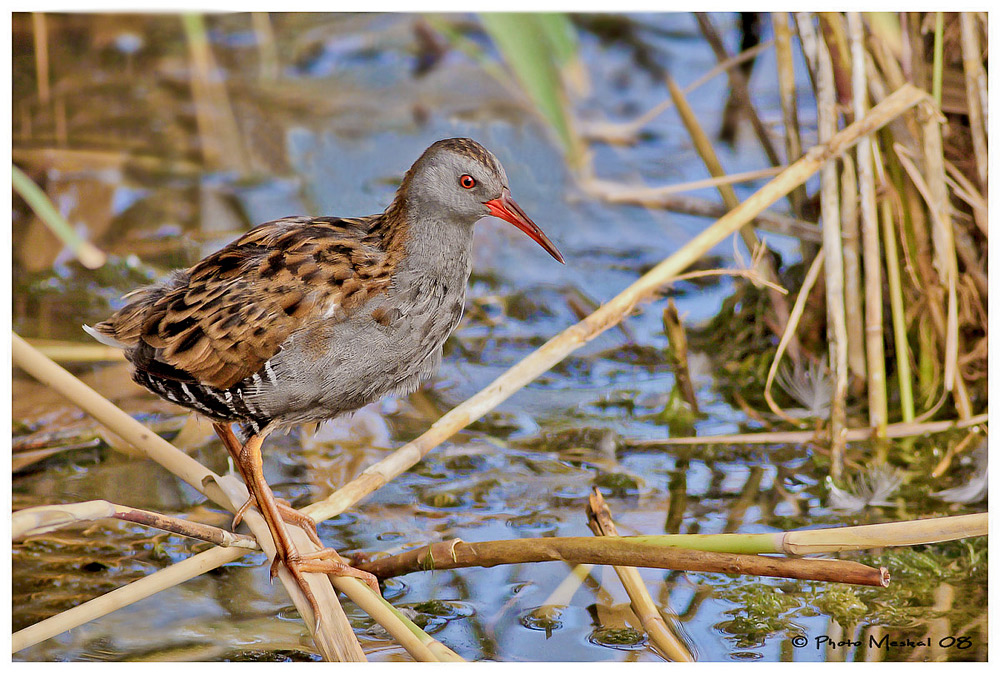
pixel 613 311
pixel 601 523
pixel 643 551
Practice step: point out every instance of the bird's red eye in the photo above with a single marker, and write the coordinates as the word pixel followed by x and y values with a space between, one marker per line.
pixel 467 181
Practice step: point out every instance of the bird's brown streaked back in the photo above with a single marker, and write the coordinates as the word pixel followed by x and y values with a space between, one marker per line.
pixel 221 320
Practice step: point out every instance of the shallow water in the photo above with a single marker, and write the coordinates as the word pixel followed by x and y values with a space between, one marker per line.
pixel 333 135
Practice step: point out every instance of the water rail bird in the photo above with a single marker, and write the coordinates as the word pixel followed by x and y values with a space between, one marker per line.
pixel 306 318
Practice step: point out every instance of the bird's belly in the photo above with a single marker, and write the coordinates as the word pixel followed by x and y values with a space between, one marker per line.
pixel 336 369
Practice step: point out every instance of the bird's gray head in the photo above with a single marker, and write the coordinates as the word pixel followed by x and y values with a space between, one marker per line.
pixel 461 181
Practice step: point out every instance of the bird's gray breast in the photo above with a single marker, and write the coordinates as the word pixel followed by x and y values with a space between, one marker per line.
pixel 389 345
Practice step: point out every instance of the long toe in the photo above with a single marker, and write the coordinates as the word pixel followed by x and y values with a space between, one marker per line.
pixel 330 562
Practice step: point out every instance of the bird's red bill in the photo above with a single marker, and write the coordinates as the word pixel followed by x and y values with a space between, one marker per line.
pixel 505 208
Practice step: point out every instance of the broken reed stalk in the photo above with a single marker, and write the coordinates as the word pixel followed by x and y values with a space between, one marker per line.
pixel 44 519
pixel 613 311
pixel 678 356
pixel 900 430
pixel 600 522
pixel 836 332
pixel 642 551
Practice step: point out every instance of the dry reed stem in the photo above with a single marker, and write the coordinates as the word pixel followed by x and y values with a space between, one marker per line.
pixel 662 198
pixel 968 193
pixel 942 237
pixel 975 91
pixel 852 268
pixel 175 574
pixel 954 450
pixel 890 534
pixel 836 332
pixel 419 644
pixel 621 551
pixel 946 324
pixel 43 519
pixel 267 50
pixel 600 522
pixel 789 104
pixel 218 132
pixel 878 407
pixel 563 594
pixel 612 312
pixel 898 311
pixel 627 133
pixel 128 429
pixel 793 323
pixel 74 352
pixel 892 431
pixel 89 255
pixel 677 337
pixel 40 35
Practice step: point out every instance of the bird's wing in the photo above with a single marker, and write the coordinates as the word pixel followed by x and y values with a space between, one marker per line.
pixel 220 321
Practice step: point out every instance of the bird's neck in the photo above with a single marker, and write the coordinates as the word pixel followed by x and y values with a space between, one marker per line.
pixel 433 244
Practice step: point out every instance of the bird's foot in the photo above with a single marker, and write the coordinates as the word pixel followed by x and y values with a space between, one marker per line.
pixel 328 561
pixel 288 514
